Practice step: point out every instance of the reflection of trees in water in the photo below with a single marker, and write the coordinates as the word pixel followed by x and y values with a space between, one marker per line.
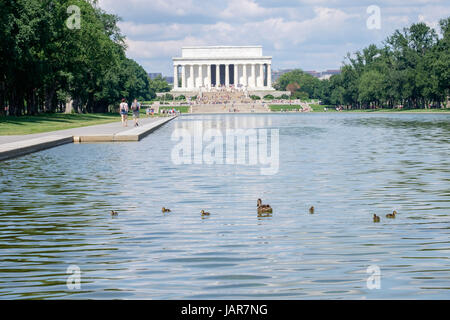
pixel 417 128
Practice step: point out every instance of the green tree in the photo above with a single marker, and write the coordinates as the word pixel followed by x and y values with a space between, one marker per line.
pixel 43 62
pixel 297 80
pixel 371 87
pixel 159 84
pixel 411 68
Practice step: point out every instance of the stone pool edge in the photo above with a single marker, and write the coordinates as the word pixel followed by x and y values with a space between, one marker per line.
pixel 20 148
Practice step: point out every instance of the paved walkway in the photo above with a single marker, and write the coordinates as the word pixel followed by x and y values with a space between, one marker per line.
pixel 107 129
pixel 14 146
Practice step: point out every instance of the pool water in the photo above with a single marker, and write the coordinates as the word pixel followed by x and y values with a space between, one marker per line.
pixel 55 214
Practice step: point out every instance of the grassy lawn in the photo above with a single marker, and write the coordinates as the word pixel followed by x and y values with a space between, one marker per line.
pixel 182 109
pixel 400 110
pixel 278 107
pixel 52 122
pixel 321 108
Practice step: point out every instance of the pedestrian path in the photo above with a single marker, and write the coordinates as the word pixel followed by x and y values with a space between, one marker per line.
pixel 14 146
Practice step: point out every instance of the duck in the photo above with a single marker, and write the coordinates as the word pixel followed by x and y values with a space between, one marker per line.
pixel 165 210
pixel 391 215
pixel 204 213
pixel 114 213
pixel 376 218
pixel 311 210
pixel 263 208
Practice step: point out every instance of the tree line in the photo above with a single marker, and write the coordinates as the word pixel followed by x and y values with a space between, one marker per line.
pixel 411 69
pixel 50 55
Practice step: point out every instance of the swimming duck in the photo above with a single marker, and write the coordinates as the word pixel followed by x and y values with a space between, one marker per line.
pixel 165 210
pixel 376 218
pixel 311 210
pixel 391 215
pixel 114 213
pixel 263 208
pixel 204 213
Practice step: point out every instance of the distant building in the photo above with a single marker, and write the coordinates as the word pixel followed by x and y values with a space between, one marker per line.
pixel 169 80
pixel 314 73
pixel 325 77
pixel 318 74
pixel 278 73
pixel 331 72
pixel 154 75
pixel 324 74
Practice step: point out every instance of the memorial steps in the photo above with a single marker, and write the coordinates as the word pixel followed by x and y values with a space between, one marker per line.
pixel 226 101
pixel 230 108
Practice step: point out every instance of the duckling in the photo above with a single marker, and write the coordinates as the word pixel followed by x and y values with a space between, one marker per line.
pixel 263 208
pixel 376 218
pixel 391 215
pixel 165 210
pixel 311 210
pixel 114 213
pixel 204 213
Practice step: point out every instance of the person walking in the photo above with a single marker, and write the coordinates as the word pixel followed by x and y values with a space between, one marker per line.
pixel 123 109
pixel 135 107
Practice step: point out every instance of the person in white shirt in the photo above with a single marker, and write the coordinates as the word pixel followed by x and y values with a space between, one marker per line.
pixel 123 109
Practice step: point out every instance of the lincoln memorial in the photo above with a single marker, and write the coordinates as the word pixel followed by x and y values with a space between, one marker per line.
pixel 201 68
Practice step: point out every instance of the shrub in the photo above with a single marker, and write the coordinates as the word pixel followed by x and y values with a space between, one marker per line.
pixel 300 95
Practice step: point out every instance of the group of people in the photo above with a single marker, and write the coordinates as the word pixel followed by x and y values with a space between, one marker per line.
pixel 149 112
pixel 172 111
pixel 222 97
pixel 124 109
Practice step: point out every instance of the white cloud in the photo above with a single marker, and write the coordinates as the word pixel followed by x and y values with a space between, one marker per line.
pixel 315 33
pixel 242 9
pixel 174 7
pixel 155 49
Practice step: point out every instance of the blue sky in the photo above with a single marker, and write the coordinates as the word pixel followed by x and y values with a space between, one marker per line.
pixel 306 34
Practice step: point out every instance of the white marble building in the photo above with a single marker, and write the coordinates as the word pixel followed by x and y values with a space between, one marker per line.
pixel 201 68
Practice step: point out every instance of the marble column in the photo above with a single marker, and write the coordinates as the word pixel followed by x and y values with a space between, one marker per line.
pixel 261 75
pixel 183 76
pixel 253 82
pixel 244 75
pixel 200 75
pixel 269 75
pixel 191 77
pixel 175 76
pixel 227 75
pixel 208 83
pixel 236 72
pixel 217 75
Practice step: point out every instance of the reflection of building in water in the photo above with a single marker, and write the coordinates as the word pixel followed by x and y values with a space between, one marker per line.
pixel 223 123
pixel 241 140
